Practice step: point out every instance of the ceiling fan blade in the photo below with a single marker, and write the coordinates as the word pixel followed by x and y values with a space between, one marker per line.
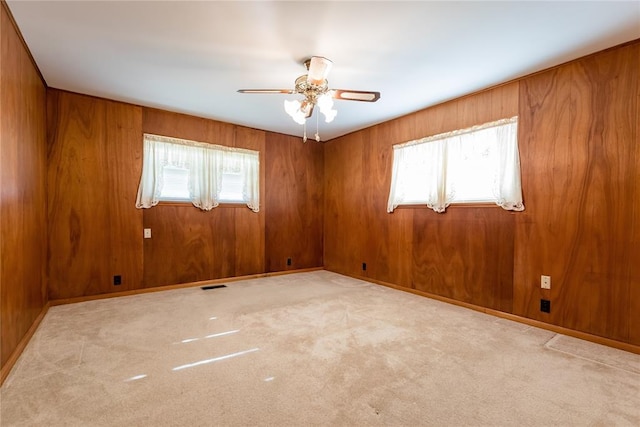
pixel 285 91
pixel 356 95
pixel 319 68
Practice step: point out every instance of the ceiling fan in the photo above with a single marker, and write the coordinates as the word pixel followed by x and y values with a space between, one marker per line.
pixel 315 88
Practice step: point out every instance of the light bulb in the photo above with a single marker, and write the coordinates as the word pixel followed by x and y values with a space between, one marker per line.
pixel 325 102
pixel 293 109
pixel 329 115
pixel 299 118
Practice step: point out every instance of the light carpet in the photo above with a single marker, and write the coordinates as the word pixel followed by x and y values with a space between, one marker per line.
pixel 314 348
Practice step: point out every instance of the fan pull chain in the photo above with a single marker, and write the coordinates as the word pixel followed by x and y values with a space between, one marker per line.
pixel 304 130
pixel 317 127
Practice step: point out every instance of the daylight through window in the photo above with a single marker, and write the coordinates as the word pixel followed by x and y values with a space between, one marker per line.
pixel 474 165
pixel 204 174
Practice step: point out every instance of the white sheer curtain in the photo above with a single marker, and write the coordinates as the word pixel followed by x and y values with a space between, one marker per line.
pixel 206 164
pixel 508 186
pixel 247 164
pixel 251 170
pixel 205 177
pixel 470 165
pixel 158 153
pixel 419 176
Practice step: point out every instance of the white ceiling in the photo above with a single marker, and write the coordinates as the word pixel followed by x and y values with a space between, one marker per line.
pixel 191 57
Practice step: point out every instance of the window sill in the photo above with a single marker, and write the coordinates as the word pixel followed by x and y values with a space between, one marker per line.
pixel 452 205
pixel 189 204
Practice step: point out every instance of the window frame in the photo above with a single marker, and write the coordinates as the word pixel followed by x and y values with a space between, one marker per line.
pixel 204 188
pixel 187 201
pixel 438 176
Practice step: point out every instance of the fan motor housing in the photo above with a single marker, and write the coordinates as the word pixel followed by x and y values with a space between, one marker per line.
pixel 309 89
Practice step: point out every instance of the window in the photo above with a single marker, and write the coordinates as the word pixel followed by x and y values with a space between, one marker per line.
pixel 175 186
pixel 474 165
pixel 205 174
pixel 175 182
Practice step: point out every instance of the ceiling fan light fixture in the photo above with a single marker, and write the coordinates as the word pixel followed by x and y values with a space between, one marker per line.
pixel 306 107
pixel 318 68
pixel 314 87
pixel 293 108
pixel 330 115
pixel 325 103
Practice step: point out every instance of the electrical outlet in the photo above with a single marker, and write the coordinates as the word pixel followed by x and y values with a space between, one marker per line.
pixel 117 280
pixel 147 233
pixel 364 266
pixel 545 282
pixel 545 306
pixel 288 261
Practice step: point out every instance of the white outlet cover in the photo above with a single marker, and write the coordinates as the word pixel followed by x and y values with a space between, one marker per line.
pixel 147 233
pixel 545 282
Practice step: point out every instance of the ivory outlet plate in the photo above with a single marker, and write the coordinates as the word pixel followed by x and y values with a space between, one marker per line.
pixel 545 282
pixel 147 233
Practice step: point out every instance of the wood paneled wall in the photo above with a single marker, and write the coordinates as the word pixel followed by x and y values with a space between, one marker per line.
pixel 95 149
pixel 446 254
pixel 188 244
pixel 294 198
pixel 23 155
pixel 581 174
pixel 579 129
pixel 95 159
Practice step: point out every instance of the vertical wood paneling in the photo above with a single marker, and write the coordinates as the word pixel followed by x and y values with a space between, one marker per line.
pixel 465 254
pixel 123 147
pixel 23 224
pixel 188 244
pixel 250 226
pixel 536 128
pixel 333 230
pixel 439 119
pixel 505 101
pixel 597 271
pixel 474 110
pixel 93 173
pixel 79 261
pixel 346 227
pixel 389 247
pixel 634 283
pixel 580 170
pixel 294 203
pixel 160 122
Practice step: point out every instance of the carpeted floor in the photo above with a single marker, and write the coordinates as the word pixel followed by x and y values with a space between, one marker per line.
pixel 312 348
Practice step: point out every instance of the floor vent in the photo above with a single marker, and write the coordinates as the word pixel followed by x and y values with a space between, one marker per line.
pixel 206 288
